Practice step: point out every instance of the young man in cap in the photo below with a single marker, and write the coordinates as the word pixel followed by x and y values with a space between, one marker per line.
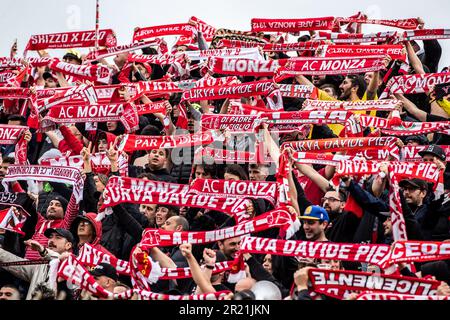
pixel 415 192
pixel 59 214
pixel 315 221
pixel 59 241
pixel 106 276
pixel 434 154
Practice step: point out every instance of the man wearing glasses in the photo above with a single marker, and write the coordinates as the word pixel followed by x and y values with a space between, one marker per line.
pixel 343 224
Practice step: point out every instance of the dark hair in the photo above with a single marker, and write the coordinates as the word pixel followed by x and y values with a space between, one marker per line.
pixel 43 292
pixel 9 160
pixel 148 175
pixel 17 117
pixel 358 80
pixel 150 130
pixel 210 169
pixel 236 170
pixel 331 86
pixel 342 195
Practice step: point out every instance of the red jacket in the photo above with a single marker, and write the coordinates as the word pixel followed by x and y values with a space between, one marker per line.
pixel 90 216
pixel 70 142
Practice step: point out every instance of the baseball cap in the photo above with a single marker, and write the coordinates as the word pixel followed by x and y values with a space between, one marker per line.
pixel 315 213
pixel 434 150
pixel 415 183
pixel 62 232
pixel 105 269
pixel 73 54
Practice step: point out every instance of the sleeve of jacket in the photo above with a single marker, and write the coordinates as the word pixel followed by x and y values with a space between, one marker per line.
pixel 134 171
pixel 433 52
pixel 259 273
pixel 62 189
pixel 413 229
pixel 89 201
pixel 303 202
pixel 21 272
pixel 130 225
pixel 71 213
pixel 368 201
pixel 72 142
pixel 303 295
pixel 322 132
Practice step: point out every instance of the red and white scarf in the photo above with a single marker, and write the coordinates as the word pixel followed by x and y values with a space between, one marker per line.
pixel 91 257
pixel 394 51
pixel 236 207
pixel 367 253
pixel 244 67
pixel 325 105
pixel 329 66
pixel 148 295
pixel 235 123
pixel 406 24
pixel 322 280
pixel 426 34
pixel 45 173
pixel 229 156
pixel 397 171
pixel 415 83
pixel 292 25
pixel 99 162
pixel 125 113
pixel 237 91
pixel 80 94
pixel 109 52
pixel 161 59
pixel 6 77
pixel 73 271
pixel 183 29
pixel 410 153
pixel 15 93
pixel 131 142
pixel 387 36
pixel 77 39
pixel 98 73
pixel 338 144
pixel 241 189
pixel 13 135
pixel 138 186
pixel 278 218
pixel 152 107
pixel 11 222
pixel 404 128
pixel 207 30
pixel 242 53
pixel 105 94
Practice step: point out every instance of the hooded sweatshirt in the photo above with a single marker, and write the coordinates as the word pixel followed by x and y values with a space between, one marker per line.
pixel 91 217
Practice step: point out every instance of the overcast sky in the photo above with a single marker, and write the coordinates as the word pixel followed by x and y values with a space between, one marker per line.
pixel 22 18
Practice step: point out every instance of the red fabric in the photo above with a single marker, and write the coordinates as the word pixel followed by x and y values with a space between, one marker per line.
pixel 312 192
pixel 353 207
pixel 98 233
pixel 70 142
pixel 16 187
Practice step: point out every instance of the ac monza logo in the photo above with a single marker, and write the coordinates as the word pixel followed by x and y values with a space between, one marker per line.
pixel 103 72
pixel 152 237
pixel 111 40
